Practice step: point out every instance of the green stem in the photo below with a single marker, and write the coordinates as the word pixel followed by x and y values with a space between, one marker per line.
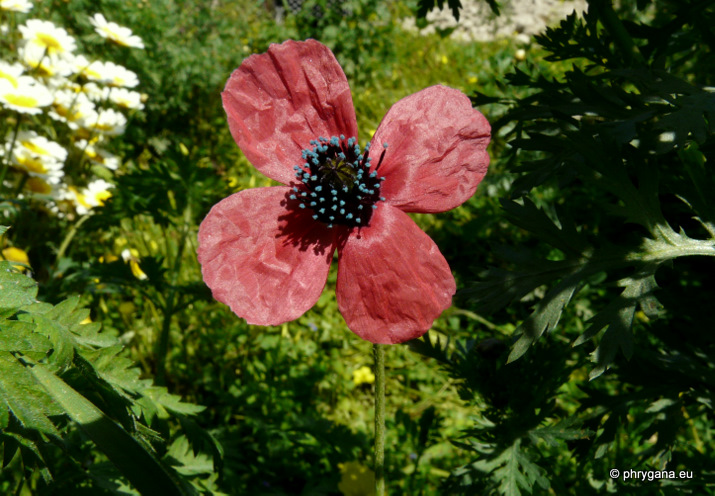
pixel 8 154
pixel 162 348
pixel 379 352
pixel 68 239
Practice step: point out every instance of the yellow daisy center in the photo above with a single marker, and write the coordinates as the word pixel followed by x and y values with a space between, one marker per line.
pixel 91 73
pixel 34 148
pixel 37 185
pixel 32 165
pixel 52 44
pixel 102 196
pixel 9 77
pixel 21 101
pixel 81 199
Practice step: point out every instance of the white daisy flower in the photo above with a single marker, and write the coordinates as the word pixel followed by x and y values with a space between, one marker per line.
pixel 98 192
pixel 35 58
pixel 71 107
pixel 22 6
pixel 48 36
pixel 10 72
pixel 92 91
pixel 126 98
pixel 94 195
pixel 114 32
pixel 77 63
pixel 107 121
pixel 38 156
pixel 98 155
pixel 40 146
pixel 38 186
pixel 56 83
pixel 28 97
pixel 111 74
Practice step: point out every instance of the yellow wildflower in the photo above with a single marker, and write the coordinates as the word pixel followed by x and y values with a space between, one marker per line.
pixel 14 254
pixel 132 256
pixel 363 375
pixel 356 480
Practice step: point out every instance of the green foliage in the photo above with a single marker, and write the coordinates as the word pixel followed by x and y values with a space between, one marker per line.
pixel 621 133
pixel 611 257
pixel 518 425
pixel 55 367
pixel 359 32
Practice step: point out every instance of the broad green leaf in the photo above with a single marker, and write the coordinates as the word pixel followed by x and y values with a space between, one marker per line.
pixel 118 371
pixel 185 461
pixel 617 316
pixel 517 472
pixel 31 446
pixel 134 460
pixel 19 336
pixel 562 431
pixel 89 335
pixel 529 217
pixel 16 289
pixel 545 317
pixel 20 394
pixel 4 417
pixel 61 339
pixel 171 402
pixel 63 312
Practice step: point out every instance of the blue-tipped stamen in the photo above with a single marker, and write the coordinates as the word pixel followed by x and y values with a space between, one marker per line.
pixel 336 171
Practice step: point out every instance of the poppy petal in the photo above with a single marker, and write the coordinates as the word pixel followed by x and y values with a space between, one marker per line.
pixel 268 263
pixel 278 101
pixel 393 282
pixel 437 154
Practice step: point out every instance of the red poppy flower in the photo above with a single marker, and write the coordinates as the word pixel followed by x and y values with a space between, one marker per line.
pixel 265 252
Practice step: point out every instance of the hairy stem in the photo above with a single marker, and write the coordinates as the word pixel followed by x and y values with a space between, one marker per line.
pixel 379 352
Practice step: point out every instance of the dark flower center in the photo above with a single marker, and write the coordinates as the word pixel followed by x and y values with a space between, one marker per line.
pixel 336 182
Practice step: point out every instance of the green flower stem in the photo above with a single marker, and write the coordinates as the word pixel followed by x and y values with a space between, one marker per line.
pixel 68 239
pixel 379 352
pixel 8 152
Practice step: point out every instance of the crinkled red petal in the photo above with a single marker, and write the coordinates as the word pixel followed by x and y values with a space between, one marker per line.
pixel 437 150
pixel 393 282
pixel 278 101
pixel 267 263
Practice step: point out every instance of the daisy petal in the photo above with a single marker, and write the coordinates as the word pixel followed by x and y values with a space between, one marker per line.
pixel 393 282
pixel 269 269
pixel 437 150
pixel 278 101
